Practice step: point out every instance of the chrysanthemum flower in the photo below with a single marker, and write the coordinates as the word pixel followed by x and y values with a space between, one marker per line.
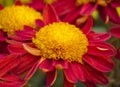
pixel 13 18
pixel 81 53
pixel 106 8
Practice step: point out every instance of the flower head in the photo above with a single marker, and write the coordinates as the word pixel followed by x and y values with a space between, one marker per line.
pixel 81 53
pixel 15 17
pixel 61 41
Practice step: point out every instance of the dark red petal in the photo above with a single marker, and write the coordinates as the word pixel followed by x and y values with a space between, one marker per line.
pixel 87 27
pixel 51 77
pixel 101 49
pixel 118 54
pixel 64 7
pixel 39 23
pixel 79 72
pixel 72 16
pixel 2 35
pixel 27 34
pixel 49 15
pixel 102 64
pixel 94 75
pixel 115 31
pixel 67 83
pixel 88 8
pixel 11 84
pixel 112 13
pixel 26 63
pixel 1 7
pixel 8 63
pixel 32 70
pixel 90 84
pixel 46 65
pixel 103 14
pixel 62 63
pixel 18 2
pixel 95 37
pixel 70 75
pixel 16 48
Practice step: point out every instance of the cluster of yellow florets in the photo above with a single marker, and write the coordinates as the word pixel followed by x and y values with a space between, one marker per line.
pixel 15 17
pixel 61 41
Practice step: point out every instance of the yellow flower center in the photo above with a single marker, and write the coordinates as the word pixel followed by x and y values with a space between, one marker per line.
pixel 15 17
pixel 100 2
pixel 49 1
pixel 61 41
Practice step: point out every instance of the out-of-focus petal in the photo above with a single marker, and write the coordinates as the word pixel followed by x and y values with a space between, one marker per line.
pixel 49 15
pixel 50 78
pixel 115 31
pixel 102 64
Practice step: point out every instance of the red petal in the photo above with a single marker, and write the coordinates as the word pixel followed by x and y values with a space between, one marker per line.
pixel 77 68
pixel 90 84
pixel 26 63
pixel 87 27
pixel 46 65
pixel 16 48
pixel 1 7
pixel 67 83
pixel 115 31
pixel 102 64
pixel 103 14
pixel 95 37
pixel 88 8
pixel 62 63
pixel 101 49
pixel 112 13
pixel 94 75
pixel 39 23
pixel 51 77
pixel 32 70
pixel 118 54
pixel 49 15
pixel 70 75
pixel 8 63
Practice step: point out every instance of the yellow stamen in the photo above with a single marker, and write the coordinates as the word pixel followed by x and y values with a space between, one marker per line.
pixel 61 41
pixel 15 17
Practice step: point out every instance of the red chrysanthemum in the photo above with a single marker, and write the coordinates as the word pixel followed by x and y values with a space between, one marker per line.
pixel 81 53
pixel 13 18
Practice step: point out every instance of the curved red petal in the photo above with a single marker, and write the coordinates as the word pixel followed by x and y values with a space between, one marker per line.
pixel 88 8
pixel 95 37
pixel 26 63
pixel 8 63
pixel 87 27
pixel 79 72
pixel 49 15
pixel 67 83
pixel 51 77
pixel 94 75
pixel 46 65
pixel 115 31
pixel 70 75
pixel 12 48
pixel 62 63
pixel 102 64
pixel 101 49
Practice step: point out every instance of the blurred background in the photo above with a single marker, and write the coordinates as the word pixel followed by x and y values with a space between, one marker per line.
pixel 38 80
